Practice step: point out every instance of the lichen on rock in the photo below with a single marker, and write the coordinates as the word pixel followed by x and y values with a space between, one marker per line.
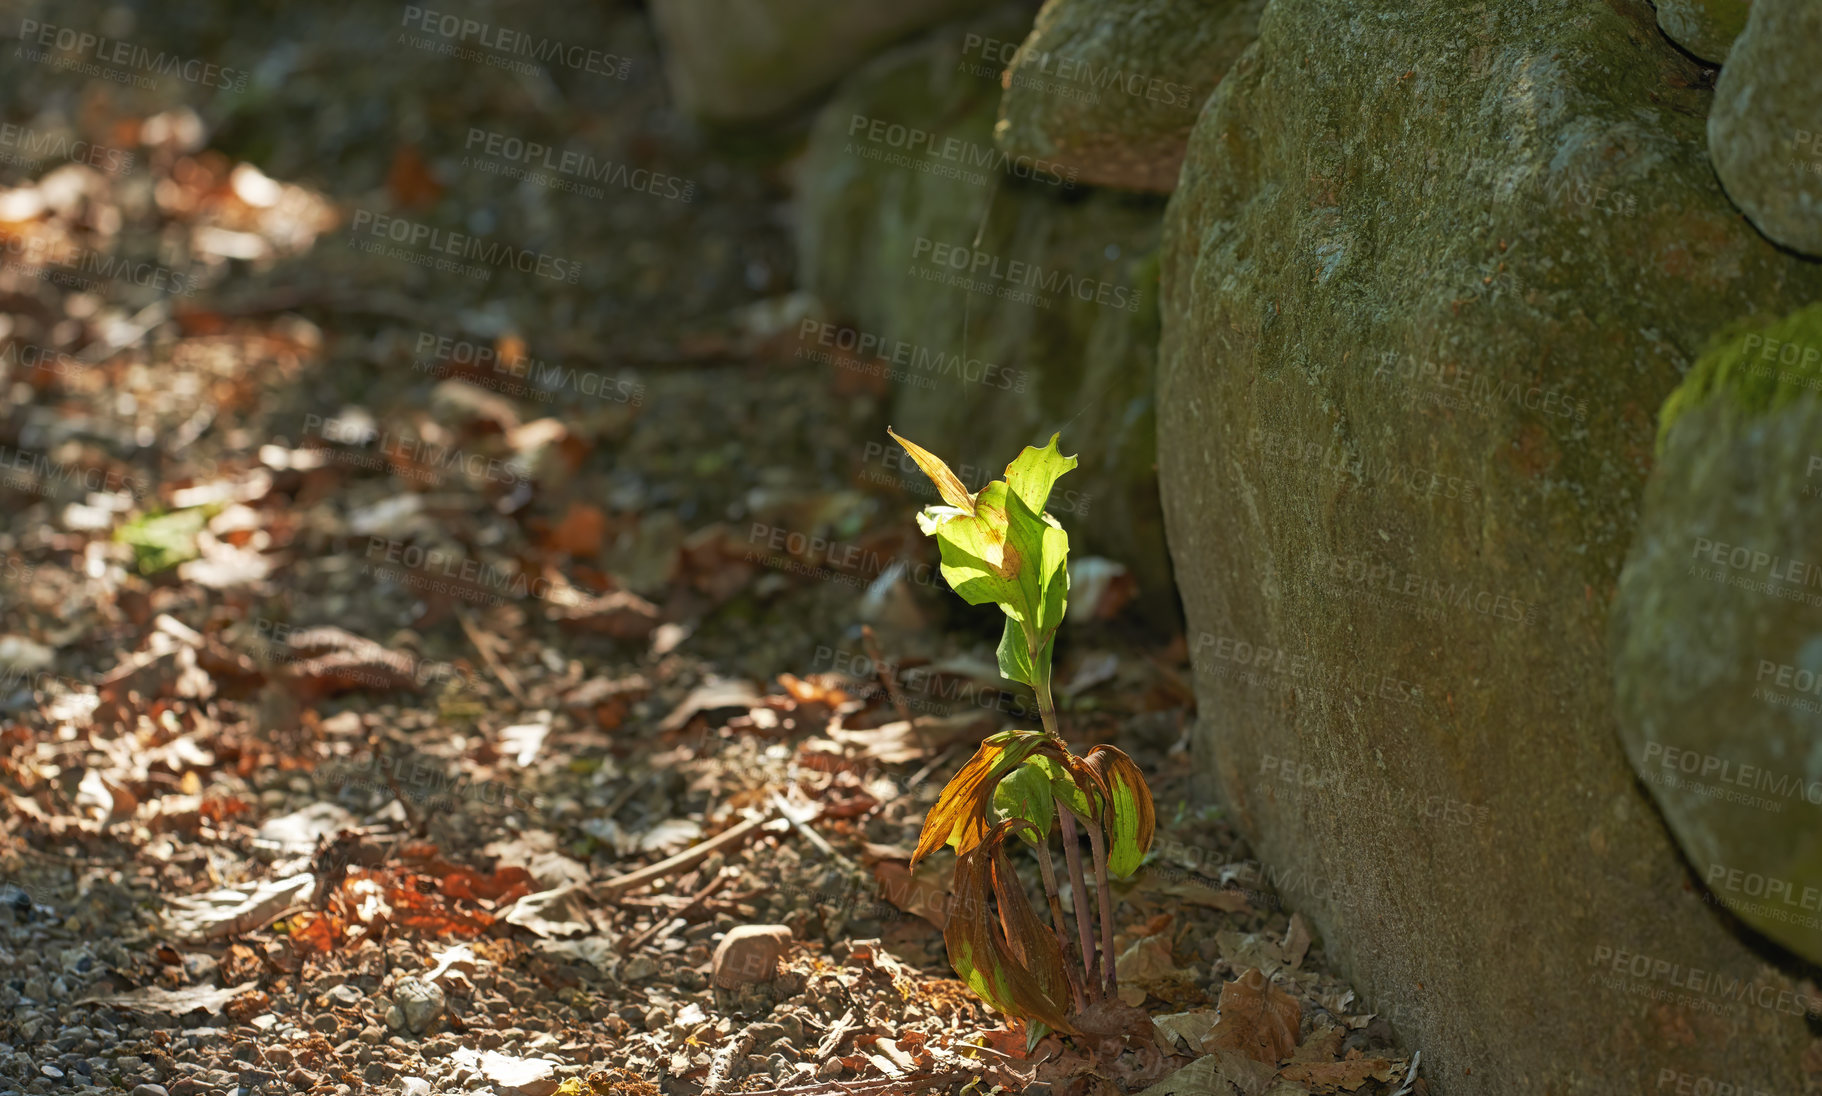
pixel 1717 627
pixel 1112 90
pixel 1469 250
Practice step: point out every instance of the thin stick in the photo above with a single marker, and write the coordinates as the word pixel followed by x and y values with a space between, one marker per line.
pixel 1104 885
pixel 1084 924
pixel 609 889
pixel 886 676
pixel 915 1082
pixel 678 917
pixel 1049 872
pixel 801 823
pixel 485 646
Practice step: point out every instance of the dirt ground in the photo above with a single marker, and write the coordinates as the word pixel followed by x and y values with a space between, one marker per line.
pixel 366 622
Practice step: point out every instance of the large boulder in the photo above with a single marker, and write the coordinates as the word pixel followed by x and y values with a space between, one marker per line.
pixel 1717 632
pixel 1765 131
pixel 1113 93
pixel 1705 28
pixel 1003 301
pixel 1429 274
pixel 748 61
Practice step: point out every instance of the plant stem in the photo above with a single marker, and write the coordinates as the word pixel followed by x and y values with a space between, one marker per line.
pixel 1084 923
pixel 1104 885
pixel 1048 870
pixel 1047 708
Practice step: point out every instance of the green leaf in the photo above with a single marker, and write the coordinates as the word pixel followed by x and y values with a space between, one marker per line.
pixel 1129 818
pixel 1065 790
pixel 163 541
pixel 1034 1034
pixel 1035 471
pixel 999 546
pixel 1015 661
pixel 1025 793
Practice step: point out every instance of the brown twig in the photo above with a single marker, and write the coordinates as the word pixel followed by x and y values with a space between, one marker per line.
pixel 880 1086
pixel 608 890
pixel 679 916
pixel 885 678
pixel 888 679
pixel 484 645
pixel 801 823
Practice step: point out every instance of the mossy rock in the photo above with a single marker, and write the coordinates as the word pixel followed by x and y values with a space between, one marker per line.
pixel 1109 91
pixel 1430 273
pixel 1760 368
pixel 1717 630
pixel 904 194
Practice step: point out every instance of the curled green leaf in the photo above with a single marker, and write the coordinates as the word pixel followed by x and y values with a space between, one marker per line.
pixel 1127 815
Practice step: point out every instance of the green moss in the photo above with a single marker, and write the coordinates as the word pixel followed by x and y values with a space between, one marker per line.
pixel 1759 367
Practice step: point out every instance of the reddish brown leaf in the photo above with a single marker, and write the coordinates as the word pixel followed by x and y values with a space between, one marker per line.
pixel 409 179
pixel 1257 1019
pixel 581 531
pixel 621 614
pixel 982 954
pixel 1343 1076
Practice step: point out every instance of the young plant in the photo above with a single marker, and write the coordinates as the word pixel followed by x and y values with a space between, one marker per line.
pixel 999 546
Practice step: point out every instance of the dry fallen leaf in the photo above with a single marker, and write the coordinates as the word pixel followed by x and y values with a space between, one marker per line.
pixel 173 1001
pixel 715 694
pixel 230 912
pixel 1296 941
pixel 1183 1032
pixel 1144 964
pixel 1343 1076
pixel 555 912
pixel 1257 1019
pixel 511 1075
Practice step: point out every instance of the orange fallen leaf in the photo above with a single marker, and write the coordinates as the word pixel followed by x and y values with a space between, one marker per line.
pixel 409 180
pixel 581 531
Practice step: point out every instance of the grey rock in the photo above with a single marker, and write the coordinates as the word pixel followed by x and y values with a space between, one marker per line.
pixel 345 994
pixel 1412 357
pixel 1706 28
pixel 149 1090
pixel 1111 89
pixel 421 1001
pixel 1765 131
pixel 756 59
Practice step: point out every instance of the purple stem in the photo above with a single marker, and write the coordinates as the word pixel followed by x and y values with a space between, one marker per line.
pixel 1084 923
pixel 1048 870
pixel 1104 885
